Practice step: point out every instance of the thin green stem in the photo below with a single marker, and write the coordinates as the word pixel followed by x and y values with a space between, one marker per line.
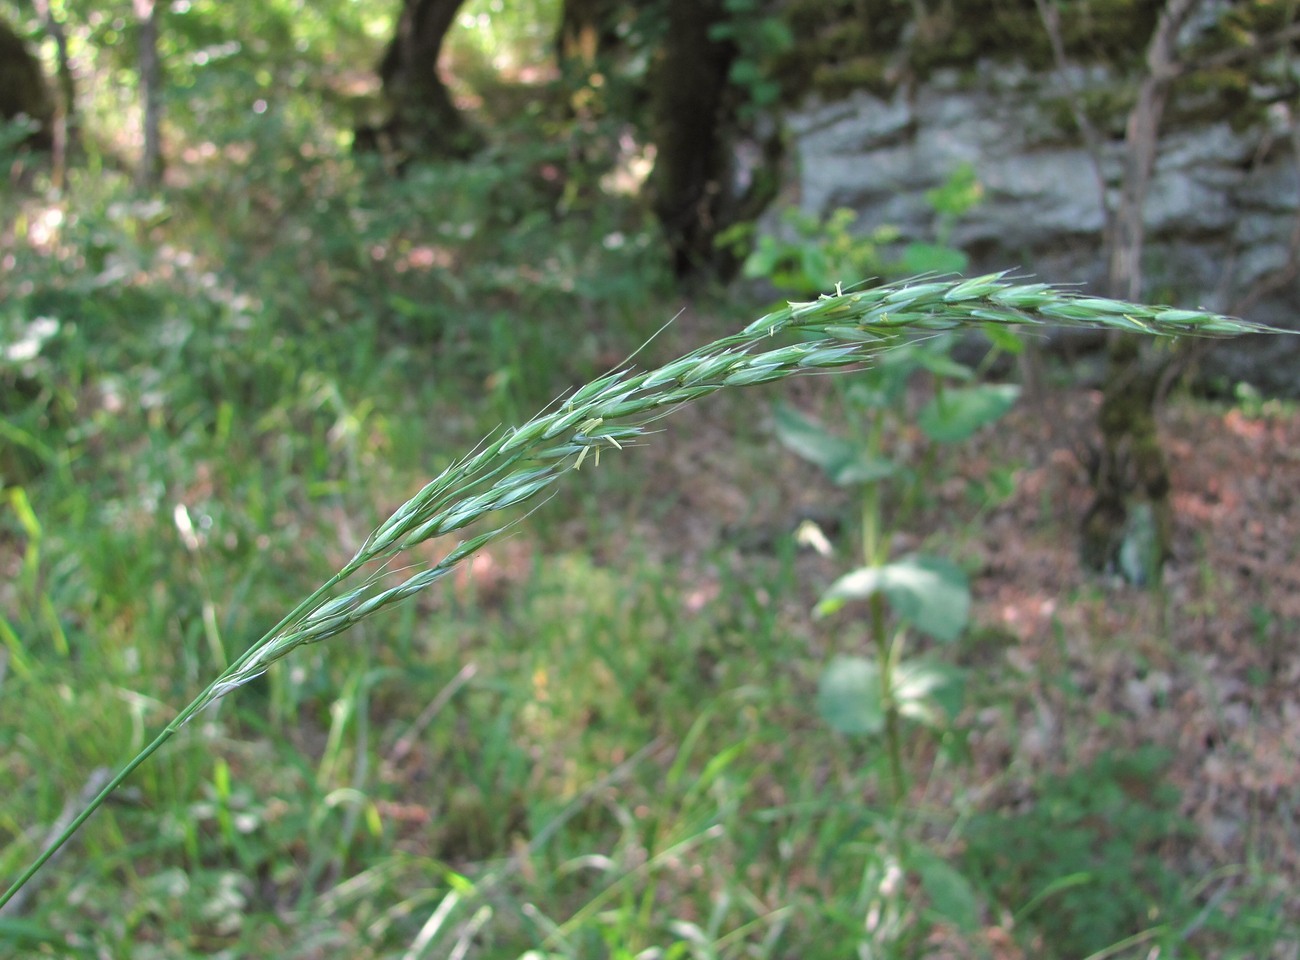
pixel 875 550
pixel 893 734
pixel 194 706
pixel 871 533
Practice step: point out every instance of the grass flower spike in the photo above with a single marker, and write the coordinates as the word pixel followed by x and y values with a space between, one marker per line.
pixel 614 411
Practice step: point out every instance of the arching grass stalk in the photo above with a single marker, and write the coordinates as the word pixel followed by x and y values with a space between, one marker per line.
pixel 844 329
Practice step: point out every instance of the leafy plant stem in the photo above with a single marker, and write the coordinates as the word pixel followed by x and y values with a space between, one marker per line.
pixel 875 553
pixel 874 549
pixel 886 655
pixel 871 533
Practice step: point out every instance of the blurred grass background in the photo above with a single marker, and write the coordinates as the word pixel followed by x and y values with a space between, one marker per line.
pixel 598 742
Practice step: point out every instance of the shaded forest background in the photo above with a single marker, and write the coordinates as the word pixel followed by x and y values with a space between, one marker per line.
pixel 265 269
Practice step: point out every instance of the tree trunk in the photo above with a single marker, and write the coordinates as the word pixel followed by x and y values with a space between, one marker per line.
pixel 22 87
pixel 422 122
pixel 63 129
pixel 585 31
pixel 149 173
pixel 1129 525
pixel 692 184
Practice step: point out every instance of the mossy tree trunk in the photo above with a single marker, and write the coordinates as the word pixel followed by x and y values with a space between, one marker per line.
pixel 422 121
pixel 1129 525
pixel 692 189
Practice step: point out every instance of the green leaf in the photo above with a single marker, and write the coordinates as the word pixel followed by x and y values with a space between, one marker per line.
pixel 810 440
pixel 958 194
pixel 942 365
pixel 1004 338
pixel 763 260
pixel 848 696
pixel 864 467
pixel 844 462
pixel 930 593
pixel 816 269
pixel 919 258
pixel 927 692
pixel 951 895
pixel 954 415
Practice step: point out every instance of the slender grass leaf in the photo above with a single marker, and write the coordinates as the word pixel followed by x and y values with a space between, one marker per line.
pixel 27 935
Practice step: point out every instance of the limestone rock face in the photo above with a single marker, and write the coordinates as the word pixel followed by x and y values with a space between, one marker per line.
pixel 1220 214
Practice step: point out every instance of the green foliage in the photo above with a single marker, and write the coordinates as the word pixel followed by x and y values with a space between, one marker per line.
pixel 924 592
pixel 760 38
pixel 860 695
pixel 514 466
pixel 929 593
pixel 209 396
pixel 852 697
pixel 508 34
pixel 1083 862
pixel 957 195
pixel 955 414
pixel 821 255
pixel 845 463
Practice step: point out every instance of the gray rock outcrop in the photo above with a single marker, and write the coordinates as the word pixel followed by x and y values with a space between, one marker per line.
pixel 1222 220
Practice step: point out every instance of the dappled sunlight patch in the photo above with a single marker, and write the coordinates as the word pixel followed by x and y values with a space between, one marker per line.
pixel 1026 613
pixel 199 153
pixel 1255 431
pixel 699 596
pixel 631 169
pixel 424 257
pixel 44 228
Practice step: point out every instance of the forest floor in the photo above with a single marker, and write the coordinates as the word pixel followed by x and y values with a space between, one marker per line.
pixel 1205 670
pixel 1131 735
pixel 1066 667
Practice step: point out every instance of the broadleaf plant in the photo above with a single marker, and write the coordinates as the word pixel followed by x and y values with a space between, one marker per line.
pixel 516 466
pixel 928 592
pixel 954 415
